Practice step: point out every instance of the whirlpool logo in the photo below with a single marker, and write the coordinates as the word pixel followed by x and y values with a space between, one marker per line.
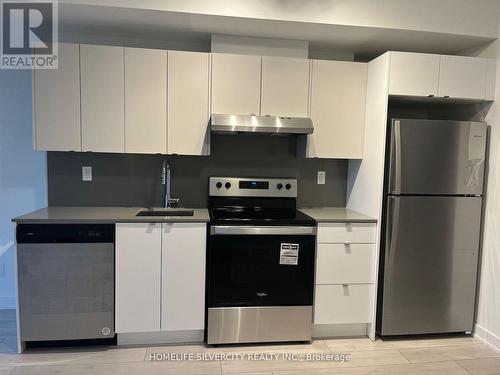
pixel 261 294
pixel 29 35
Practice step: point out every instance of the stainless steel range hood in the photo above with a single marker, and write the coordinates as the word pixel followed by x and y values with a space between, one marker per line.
pixel 260 124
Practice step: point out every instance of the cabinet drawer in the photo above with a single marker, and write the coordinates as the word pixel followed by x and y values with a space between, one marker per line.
pixel 339 263
pixel 342 304
pixel 346 233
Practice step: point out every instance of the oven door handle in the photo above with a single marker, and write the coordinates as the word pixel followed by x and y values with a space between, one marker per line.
pixel 267 230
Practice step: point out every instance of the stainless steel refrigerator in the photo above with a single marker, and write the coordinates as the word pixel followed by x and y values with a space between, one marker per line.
pixel 432 219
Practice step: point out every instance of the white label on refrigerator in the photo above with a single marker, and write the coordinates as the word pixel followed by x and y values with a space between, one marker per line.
pixel 289 254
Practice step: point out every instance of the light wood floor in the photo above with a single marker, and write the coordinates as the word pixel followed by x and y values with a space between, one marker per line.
pixel 452 355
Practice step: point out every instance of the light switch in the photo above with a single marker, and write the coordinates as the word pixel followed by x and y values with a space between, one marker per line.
pixel 86 173
pixel 321 177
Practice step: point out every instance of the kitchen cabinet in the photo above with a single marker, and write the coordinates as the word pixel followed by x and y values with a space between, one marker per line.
pixel 462 77
pixel 160 277
pixel 414 74
pixel 183 276
pixel 338 263
pixel 344 273
pixel 491 73
pixel 138 277
pixel 188 102
pixel 343 304
pixel 285 87
pixel 102 98
pixel 56 103
pixel 145 101
pixel 236 84
pixel 338 94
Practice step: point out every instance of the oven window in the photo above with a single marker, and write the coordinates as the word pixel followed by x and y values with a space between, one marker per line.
pixel 252 270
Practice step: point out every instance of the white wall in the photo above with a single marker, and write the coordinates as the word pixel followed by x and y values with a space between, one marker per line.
pixel 22 171
pixel 468 17
pixel 488 318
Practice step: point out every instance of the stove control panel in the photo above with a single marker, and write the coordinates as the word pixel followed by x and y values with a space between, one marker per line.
pixel 252 187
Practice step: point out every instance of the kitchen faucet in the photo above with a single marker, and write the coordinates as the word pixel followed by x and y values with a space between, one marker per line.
pixel 168 201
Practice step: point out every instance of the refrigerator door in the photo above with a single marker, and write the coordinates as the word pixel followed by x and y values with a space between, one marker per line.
pixel 437 157
pixel 430 265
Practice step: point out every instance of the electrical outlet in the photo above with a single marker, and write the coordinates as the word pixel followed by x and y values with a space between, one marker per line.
pixel 321 177
pixel 86 173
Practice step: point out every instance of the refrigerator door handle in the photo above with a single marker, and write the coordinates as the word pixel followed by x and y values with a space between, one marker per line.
pixel 392 228
pixel 395 163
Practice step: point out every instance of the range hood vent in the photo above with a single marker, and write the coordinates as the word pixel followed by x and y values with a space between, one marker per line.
pixel 260 124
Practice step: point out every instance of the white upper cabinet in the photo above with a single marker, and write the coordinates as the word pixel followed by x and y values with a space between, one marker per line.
pixel 138 277
pixel 491 73
pixel 236 84
pixel 338 94
pixel 285 86
pixel 462 77
pixel 57 103
pixel 145 101
pixel 188 102
pixel 183 276
pixel 102 98
pixel 415 74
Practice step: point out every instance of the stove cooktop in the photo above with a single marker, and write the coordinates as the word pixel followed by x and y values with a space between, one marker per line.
pixel 256 215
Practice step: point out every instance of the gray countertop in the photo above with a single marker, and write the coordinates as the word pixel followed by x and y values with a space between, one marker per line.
pixel 337 215
pixel 69 215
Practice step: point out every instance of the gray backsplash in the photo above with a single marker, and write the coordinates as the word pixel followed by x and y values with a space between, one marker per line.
pixel 134 180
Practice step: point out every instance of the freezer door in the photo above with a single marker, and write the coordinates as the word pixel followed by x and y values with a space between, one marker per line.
pixel 436 157
pixel 430 265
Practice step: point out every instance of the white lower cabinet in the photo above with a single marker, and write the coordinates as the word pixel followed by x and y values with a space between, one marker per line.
pixel 343 304
pixel 346 233
pixel 344 275
pixel 340 263
pixel 138 277
pixel 183 277
pixel 160 277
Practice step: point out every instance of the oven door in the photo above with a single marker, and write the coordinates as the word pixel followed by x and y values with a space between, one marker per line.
pixel 260 266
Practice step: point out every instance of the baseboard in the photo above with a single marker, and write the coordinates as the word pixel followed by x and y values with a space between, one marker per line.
pixel 167 337
pixel 487 337
pixel 7 302
pixel 339 330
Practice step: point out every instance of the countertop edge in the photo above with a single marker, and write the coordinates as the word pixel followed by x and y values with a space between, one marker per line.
pixel 106 221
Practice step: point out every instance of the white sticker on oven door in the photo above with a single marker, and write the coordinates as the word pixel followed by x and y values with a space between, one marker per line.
pixel 289 254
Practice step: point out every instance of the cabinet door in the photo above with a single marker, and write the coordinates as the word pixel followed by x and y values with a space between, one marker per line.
pixel 462 77
pixel 183 276
pixel 491 73
pixel 102 98
pixel 138 271
pixel 343 304
pixel 344 263
pixel 236 84
pixel 145 101
pixel 188 102
pixel 285 86
pixel 57 103
pixel 415 74
pixel 338 93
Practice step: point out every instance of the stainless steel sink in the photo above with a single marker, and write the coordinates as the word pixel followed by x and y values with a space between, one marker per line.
pixel 165 212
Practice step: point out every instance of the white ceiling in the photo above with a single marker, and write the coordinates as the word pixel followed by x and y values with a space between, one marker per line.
pixel 195 28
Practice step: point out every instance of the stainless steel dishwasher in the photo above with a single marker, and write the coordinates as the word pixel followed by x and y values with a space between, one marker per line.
pixel 65 281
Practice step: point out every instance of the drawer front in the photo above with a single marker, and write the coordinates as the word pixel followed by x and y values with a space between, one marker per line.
pixel 339 263
pixel 339 304
pixel 347 233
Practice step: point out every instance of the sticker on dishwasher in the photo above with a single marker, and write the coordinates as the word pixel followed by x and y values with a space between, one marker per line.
pixel 289 254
